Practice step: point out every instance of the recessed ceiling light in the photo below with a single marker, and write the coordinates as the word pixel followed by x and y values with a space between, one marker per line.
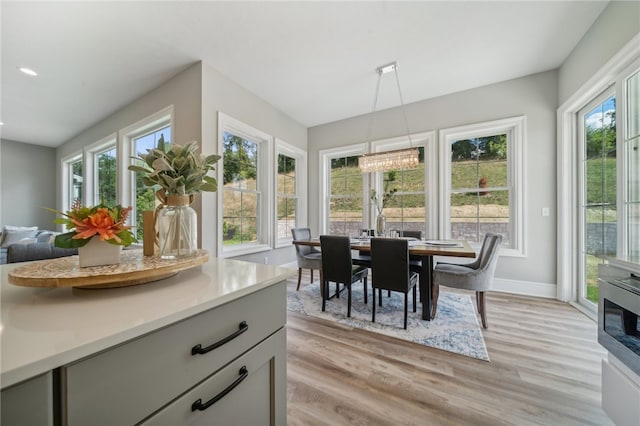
pixel 1 123
pixel 28 71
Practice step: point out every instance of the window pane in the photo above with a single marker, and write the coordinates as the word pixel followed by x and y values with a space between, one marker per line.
pixel 492 173
pixel 286 175
pixel 286 216
pixel 464 174
pixel 406 212
pixel 591 272
pixel 345 199
pixel 145 196
pixel 344 219
pixel 240 162
pixel 239 217
pixel 77 182
pixel 106 182
pixel 406 209
pixel 601 230
pixel 346 178
pixel 473 215
pixel 480 188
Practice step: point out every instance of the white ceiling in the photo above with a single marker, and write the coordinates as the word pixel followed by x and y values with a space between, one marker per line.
pixel 315 61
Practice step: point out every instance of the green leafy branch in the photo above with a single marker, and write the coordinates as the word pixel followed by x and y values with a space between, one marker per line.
pixel 180 170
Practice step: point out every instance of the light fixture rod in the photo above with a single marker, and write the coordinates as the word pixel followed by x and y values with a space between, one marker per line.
pixel 398 159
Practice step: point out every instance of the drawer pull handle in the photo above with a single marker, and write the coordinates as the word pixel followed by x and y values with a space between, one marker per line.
pixel 198 349
pixel 198 405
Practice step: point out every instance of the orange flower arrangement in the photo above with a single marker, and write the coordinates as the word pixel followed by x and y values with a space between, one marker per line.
pixel 87 222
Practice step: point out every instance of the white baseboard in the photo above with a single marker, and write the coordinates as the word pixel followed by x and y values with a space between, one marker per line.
pixel 525 288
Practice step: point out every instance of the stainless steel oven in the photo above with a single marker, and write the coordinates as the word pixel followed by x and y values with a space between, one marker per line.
pixel 619 318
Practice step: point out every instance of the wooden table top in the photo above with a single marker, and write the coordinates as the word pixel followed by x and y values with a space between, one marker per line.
pixel 456 248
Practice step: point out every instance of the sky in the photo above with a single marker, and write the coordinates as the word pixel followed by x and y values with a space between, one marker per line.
pixel 594 118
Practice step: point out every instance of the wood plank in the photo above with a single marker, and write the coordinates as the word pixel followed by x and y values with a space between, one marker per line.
pixel 544 369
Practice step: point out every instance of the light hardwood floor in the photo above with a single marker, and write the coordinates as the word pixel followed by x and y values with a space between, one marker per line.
pixel 544 370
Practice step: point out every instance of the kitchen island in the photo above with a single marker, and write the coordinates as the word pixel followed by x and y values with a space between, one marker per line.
pixel 148 353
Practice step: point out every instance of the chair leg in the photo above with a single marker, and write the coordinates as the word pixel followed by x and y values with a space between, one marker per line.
pixel 380 297
pixel 349 301
pixel 482 308
pixel 299 278
pixel 373 305
pixel 365 290
pixel 324 289
pixel 388 293
pixel 414 298
pixel 311 274
pixel 406 304
pixel 435 293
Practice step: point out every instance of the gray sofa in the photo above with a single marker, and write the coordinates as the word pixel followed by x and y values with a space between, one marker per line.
pixel 36 251
pixel 21 244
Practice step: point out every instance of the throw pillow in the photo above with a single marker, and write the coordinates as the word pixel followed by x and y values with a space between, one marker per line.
pixel 13 234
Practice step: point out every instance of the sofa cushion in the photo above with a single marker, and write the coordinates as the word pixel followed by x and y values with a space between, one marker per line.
pixel 36 251
pixel 13 234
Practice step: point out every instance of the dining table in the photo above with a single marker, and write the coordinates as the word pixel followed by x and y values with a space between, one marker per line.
pixel 426 250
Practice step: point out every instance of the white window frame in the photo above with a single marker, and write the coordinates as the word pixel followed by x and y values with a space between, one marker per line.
pixel 67 179
pixel 425 140
pixel 155 121
pixel 515 128
pixel 266 197
pixel 324 157
pixel 567 265
pixel 91 152
pixel 622 126
pixel 301 189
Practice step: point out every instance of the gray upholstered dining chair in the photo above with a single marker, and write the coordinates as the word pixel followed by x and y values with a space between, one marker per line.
pixel 390 271
pixel 476 276
pixel 308 257
pixel 338 268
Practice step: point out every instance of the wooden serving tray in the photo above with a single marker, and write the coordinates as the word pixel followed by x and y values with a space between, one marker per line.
pixel 133 269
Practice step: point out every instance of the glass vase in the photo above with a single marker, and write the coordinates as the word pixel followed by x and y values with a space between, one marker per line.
pixel 177 225
pixel 381 225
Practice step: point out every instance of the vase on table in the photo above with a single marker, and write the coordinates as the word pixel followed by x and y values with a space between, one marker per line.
pixel 98 253
pixel 177 227
pixel 381 224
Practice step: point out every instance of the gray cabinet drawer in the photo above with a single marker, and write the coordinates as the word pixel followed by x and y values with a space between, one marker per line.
pixel 253 401
pixel 126 384
pixel 28 403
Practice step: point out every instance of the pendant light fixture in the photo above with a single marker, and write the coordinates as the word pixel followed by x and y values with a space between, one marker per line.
pixel 389 160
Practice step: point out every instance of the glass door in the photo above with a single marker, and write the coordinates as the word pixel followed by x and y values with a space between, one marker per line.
pixel 598 193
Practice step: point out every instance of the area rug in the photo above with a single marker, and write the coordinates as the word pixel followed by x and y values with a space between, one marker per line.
pixel 455 329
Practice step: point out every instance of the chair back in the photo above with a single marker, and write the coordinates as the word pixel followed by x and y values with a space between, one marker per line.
pixel 488 256
pixel 336 258
pixel 302 234
pixel 390 264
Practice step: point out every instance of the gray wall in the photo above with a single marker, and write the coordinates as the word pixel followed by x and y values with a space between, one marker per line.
pixel 197 94
pixel 27 184
pixel 219 93
pixel 615 26
pixel 535 97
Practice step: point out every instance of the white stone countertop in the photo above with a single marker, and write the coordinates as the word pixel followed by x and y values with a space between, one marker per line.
pixel 45 328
